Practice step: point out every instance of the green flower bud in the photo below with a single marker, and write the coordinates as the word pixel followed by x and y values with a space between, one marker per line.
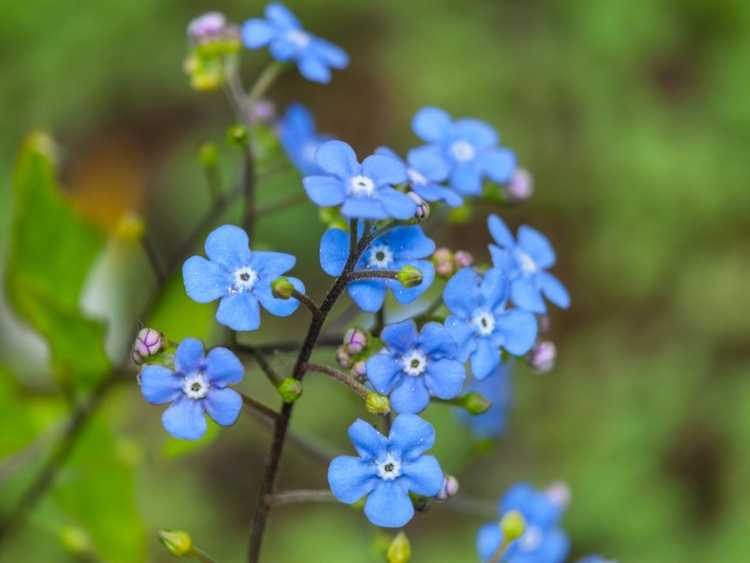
pixel 282 288
pixel 238 135
pixel 290 389
pixel 177 542
pixel 409 276
pixel 208 155
pixel 130 226
pixel 377 403
pixel 400 549
pixel 512 525
pixel 76 540
pixel 474 403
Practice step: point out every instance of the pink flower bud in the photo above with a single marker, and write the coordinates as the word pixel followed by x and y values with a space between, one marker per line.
pixel 558 493
pixel 442 259
pixel 207 26
pixel 423 208
pixel 359 369
pixel 463 259
pixel 542 356
pixel 449 488
pixel 343 358
pixel 521 186
pixel 148 342
pixel 263 111
pixel 355 340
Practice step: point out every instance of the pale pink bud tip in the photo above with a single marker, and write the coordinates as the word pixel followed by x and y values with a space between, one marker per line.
pixel 355 340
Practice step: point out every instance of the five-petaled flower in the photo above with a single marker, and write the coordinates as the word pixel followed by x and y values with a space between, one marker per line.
pixel 468 147
pixel 542 540
pixel 526 261
pixel 198 385
pixel 425 171
pixel 240 278
pixel 481 324
pixel 285 37
pixel 400 246
pixel 387 469
pixel 414 366
pixel 497 390
pixel 364 191
pixel 300 139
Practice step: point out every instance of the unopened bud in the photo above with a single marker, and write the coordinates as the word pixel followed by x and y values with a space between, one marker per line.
pixel 400 549
pixel 463 259
pixel 521 186
pixel 343 358
pixel 263 111
pixel 449 488
pixel 442 259
pixel 148 343
pixel 130 226
pixel 513 525
pixel 290 389
pixel 208 155
pixel 474 403
pixel 207 26
pixel 355 340
pixel 282 288
pixel 76 540
pixel 177 542
pixel 423 208
pixel 542 356
pixel 359 369
pixel 377 403
pixel 238 135
pixel 409 276
pixel 558 494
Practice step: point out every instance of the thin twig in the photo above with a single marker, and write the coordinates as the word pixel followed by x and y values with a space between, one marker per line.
pixel 260 358
pixel 373 275
pixel 344 378
pixel 300 496
pixel 264 81
pixel 307 302
pixel 149 250
pixel 257 406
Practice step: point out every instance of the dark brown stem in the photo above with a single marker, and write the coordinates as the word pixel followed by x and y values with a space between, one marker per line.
pixel 153 257
pixel 301 496
pixel 307 302
pixel 344 378
pixel 257 406
pixel 259 357
pixel 373 275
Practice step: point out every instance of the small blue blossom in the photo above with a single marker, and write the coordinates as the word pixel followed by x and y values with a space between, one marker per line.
pixel 541 542
pixel 391 251
pixel 198 385
pixel 496 389
pixel 364 191
pixel 387 469
pixel 469 148
pixel 239 278
pixel 299 138
pixel 425 171
pixel 282 32
pixel 526 260
pixel 481 324
pixel 414 366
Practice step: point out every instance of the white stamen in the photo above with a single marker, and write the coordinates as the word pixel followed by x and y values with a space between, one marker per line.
pixel 528 266
pixel 299 38
pixel 462 151
pixel 361 186
pixel 244 279
pixel 484 322
pixel 531 539
pixel 416 178
pixel 195 386
pixel 389 468
pixel 380 257
pixel 414 363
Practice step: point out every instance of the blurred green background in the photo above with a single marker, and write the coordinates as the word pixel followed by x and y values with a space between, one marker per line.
pixel 633 117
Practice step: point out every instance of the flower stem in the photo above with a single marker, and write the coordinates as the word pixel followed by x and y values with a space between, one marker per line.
pixel 273 377
pixel 344 378
pixel 373 274
pixel 201 555
pixel 259 407
pixel 264 82
pixel 300 496
pixel 307 302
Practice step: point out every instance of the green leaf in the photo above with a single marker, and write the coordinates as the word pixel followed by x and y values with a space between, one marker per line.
pixel 51 252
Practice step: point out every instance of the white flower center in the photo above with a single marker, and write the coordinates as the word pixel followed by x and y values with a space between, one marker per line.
pixel 380 257
pixel 531 539
pixel 484 322
pixel 244 279
pixel 528 266
pixel 414 363
pixel 298 38
pixel 361 186
pixel 195 386
pixel 462 151
pixel 390 468
pixel 416 178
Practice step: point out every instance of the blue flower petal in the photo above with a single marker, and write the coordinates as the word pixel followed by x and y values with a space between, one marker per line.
pixel 489 539
pixel 331 54
pixel 554 290
pixel 519 329
pixel 282 49
pixel 350 478
pixel 517 497
pixel 461 294
pixel 410 396
pixel 536 245
pixel 160 385
pixel 239 311
pixel 467 178
pixel 400 337
pixel 433 192
pixel 223 405
pixel 461 331
pixel 384 170
pixel 275 305
pixel 388 505
pixel 369 443
pixel 334 251
pixel 526 295
pixel 445 378
pixel 223 368
pixel 500 232
pixel 389 152
pixel 257 33
pixel 436 341
pixel 228 246
pixel 503 259
pixel 397 204
pixel 188 356
pixel 408 242
pixel 363 208
pixel 280 15
pixel 325 191
pixel 498 164
pixel 555 547
pixel 367 294
pixel 311 67
pixel 476 132
pixel 271 264
pixel 428 160
pixel 424 476
pixel 484 359
pixel 383 372
pixel 338 158
pixel 405 295
pixel 204 281
pixel 184 419
pixel 431 124
pixel 411 435
pixel 494 287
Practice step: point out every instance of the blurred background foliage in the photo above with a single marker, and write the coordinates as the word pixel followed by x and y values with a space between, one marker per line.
pixel 633 117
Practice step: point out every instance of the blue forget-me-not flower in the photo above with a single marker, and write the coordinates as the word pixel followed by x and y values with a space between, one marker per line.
pixel 525 260
pixel 285 37
pixel 388 469
pixel 481 323
pixel 496 388
pixel 240 278
pixel 398 247
pixel 197 386
pixel 469 147
pixel 416 365
pixel 300 139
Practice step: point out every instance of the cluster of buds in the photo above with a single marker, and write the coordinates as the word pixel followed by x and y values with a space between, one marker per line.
pixel 148 343
pixel 447 263
pixel 352 354
pixel 214 42
pixel 542 356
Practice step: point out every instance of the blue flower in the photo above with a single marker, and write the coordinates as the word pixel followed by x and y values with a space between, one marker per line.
pixel 468 147
pixel 497 390
pixel 425 171
pixel 526 262
pixel 198 385
pixel 414 366
pixel 282 32
pixel 299 138
pixel 481 324
pixel 364 190
pixel 240 278
pixel 391 251
pixel 542 541
pixel 387 469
